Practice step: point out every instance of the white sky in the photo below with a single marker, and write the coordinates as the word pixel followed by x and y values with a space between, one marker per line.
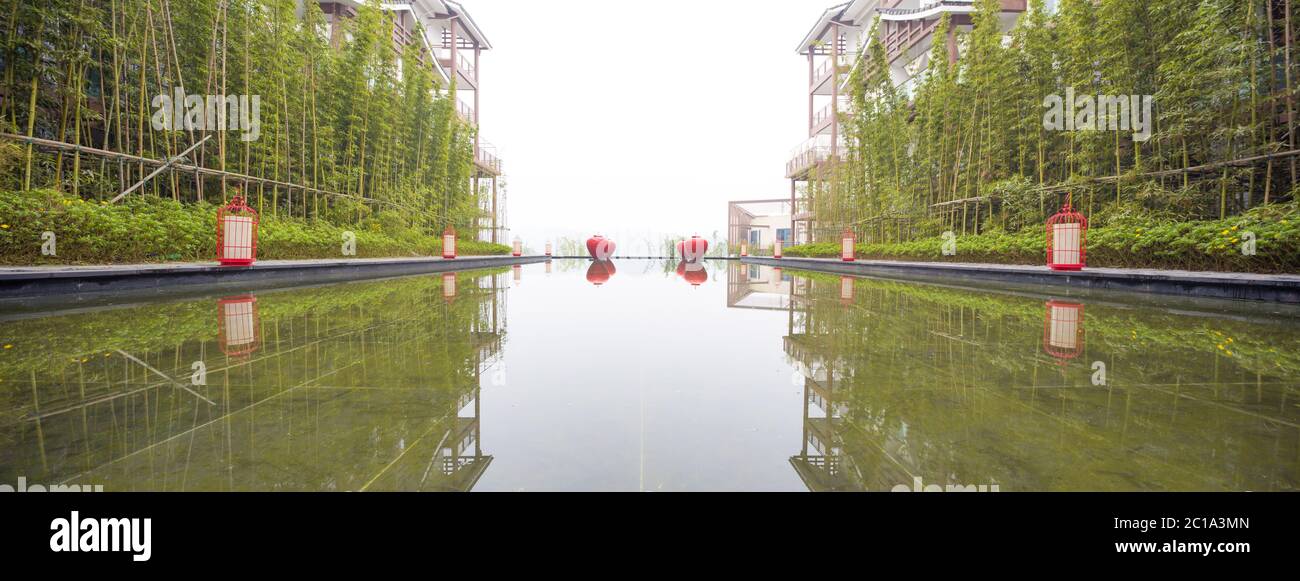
pixel 619 116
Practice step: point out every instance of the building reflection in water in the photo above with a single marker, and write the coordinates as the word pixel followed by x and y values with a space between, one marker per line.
pixel 367 386
pixel 967 387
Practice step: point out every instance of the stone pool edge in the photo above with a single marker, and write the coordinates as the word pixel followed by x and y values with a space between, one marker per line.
pixel 1272 288
pixel 48 282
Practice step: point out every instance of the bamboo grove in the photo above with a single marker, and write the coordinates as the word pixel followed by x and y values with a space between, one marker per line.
pixel 350 132
pixel 967 150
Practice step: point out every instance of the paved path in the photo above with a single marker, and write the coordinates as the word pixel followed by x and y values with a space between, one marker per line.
pixel 29 282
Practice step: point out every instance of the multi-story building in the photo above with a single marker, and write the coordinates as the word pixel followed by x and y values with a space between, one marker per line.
pixel 452 44
pixel 832 47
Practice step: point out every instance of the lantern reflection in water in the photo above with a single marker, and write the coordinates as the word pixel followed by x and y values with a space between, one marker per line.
pixel 693 273
pixel 1063 330
pixel 237 331
pixel 600 272
pixel 449 286
pixel 846 290
pixel 518 273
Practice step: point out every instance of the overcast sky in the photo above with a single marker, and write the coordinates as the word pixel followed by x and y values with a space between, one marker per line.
pixel 620 116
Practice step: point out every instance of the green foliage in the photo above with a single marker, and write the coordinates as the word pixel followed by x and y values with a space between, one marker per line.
pixel 1131 238
pixel 340 110
pixel 157 230
pixel 965 148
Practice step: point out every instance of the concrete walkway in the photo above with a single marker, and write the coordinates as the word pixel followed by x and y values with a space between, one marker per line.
pixel 1277 288
pixel 27 282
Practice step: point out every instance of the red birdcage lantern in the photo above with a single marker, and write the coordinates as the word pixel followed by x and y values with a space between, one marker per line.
pixel 449 243
pixel 237 322
pixel 776 249
pixel 1067 239
pixel 848 244
pixel 548 248
pixel 1063 330
pixel 744 249
pixel 518 248
pixel 236 234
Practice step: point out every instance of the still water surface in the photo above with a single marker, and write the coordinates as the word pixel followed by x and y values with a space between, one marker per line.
pixel 646 376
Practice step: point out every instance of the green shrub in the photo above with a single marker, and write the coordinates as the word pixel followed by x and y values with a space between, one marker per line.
pixel 144 229
pixel 1130 238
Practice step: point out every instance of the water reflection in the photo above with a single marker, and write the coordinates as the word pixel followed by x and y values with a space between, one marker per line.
pixel 962 387
pixel 600 272
pixel 693 273
pixel 364 386
pixel 805 381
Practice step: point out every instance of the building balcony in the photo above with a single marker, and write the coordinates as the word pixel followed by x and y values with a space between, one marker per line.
pixel 813 154
pixel 827 116
pixel 465 112
pixel 825 72
pixel 486 160
pixel 464 68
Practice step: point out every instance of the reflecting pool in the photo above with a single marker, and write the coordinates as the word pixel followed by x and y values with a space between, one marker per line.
pixel 654 376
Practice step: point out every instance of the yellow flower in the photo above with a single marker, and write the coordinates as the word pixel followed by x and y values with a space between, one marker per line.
pixel 1234 228
pixel 1229 353
pixel 1225 233
pixel 5 226
pixel 8 346
pixel 1220 347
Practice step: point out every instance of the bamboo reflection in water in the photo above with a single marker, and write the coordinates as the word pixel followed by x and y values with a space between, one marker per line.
pixel 905 381
pixel 373 386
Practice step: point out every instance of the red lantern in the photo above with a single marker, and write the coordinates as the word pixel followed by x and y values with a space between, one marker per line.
pixel 518 248
pixel 236 234
pixel 776 249
pixel 600 248
pixel 693 249
pixel 744 249
pixel 695 274
pixel 600 271
pixel 548 248
pixel 1067 239
pixel 237 325
pixel 847 246
pixel 1063 330
pixel 449 287
pixel 449 243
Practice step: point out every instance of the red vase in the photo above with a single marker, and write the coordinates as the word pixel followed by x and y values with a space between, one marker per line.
pixel 600 248
pixel 693 249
